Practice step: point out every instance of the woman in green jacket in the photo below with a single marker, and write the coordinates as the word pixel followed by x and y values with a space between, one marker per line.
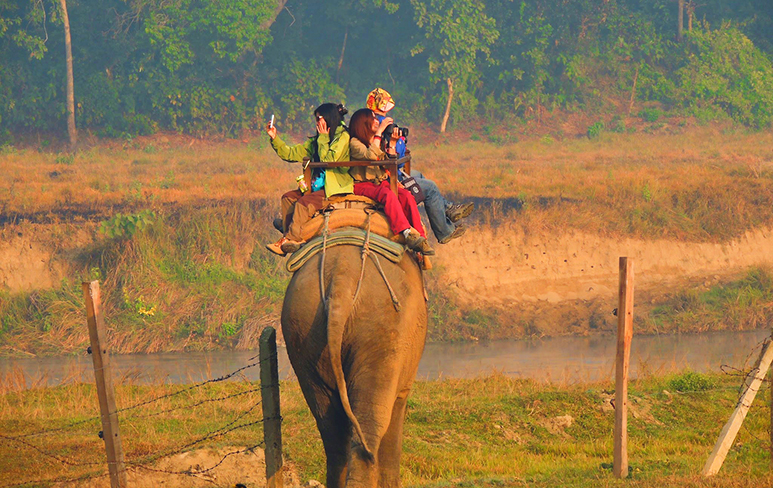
pixel 329 145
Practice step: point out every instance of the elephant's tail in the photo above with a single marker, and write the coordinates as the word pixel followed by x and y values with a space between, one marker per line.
pixel 337 316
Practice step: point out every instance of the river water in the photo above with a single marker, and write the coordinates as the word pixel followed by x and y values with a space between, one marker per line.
pixel 562 360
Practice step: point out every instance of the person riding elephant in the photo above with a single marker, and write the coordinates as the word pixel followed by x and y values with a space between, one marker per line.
pixel 373 181
pixel 330 144
pixel 444 215
pixel 355 345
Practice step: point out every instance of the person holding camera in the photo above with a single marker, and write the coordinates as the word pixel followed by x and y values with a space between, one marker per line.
pixel 401 210
pixel 444 216
pixel 331 143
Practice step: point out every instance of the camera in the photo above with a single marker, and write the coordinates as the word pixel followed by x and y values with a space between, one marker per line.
pixel 401 132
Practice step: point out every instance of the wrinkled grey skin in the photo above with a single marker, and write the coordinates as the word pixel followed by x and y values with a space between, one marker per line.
pixel 363 356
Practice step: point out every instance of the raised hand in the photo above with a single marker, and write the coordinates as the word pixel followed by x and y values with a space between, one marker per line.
pixel 383 125
pixel 271 131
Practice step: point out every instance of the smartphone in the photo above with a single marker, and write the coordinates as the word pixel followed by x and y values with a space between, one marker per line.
pixel 271 123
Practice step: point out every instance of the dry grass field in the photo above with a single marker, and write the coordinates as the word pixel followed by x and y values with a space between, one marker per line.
pixel 174 228
pixel 703 184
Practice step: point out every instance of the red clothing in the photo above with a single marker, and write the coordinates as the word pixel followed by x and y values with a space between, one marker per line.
pixel 400 209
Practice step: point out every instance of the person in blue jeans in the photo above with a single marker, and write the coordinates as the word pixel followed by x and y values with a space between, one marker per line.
pixel 444 216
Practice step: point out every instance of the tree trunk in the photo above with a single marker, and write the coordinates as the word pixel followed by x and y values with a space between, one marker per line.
pixel 633 90
pixel 448 105
pixel 690 14
pixel 680 25
pixel 280 5
pixel 341 59
pixel 72 132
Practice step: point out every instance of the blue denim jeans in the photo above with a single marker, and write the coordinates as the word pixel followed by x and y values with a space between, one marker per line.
pixel 435 205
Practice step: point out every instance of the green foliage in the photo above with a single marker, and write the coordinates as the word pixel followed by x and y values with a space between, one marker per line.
pixel 692 381
pixel 646 193
pixel 651 114
pixel 221 67
pixel 138 305
pixel 125 226
pixel 595 130
pixel 306 85
pixel 726 71
pixel 67 159
pixel 455 32
pixel 617 125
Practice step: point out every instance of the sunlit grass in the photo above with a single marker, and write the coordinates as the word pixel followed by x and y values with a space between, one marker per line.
pixel 701 185
pixel 489 431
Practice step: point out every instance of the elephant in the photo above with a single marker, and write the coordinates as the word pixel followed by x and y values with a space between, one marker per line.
pixel 356 360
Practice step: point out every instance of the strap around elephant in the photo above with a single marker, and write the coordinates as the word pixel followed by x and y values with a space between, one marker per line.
pixel 351 236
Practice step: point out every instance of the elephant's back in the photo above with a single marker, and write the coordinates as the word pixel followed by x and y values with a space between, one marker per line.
pixel 402 284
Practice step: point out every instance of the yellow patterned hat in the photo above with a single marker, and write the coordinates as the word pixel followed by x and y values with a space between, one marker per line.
pixel 380 99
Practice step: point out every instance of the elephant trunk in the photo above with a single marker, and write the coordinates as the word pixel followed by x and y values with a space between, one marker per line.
pixel 338 313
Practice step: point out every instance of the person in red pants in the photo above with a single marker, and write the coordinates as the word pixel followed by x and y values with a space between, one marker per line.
pixel 373 181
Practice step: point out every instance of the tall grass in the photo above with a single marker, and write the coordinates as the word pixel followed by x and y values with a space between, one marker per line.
pixel 199 279
pixel 193 279
pixel 743 304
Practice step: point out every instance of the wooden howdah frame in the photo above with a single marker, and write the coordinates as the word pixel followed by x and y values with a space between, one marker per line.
pixel 390 164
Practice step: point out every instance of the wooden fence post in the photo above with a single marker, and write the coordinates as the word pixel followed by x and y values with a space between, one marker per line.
pixel 272 420
pixel 624 334
pixel 751 386
pixel 104 380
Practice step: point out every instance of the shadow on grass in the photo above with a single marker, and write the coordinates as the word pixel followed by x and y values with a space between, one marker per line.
pixel 486 207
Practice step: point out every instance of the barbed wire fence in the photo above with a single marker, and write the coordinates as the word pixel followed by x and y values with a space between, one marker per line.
pixel 35 440
pixel 262 411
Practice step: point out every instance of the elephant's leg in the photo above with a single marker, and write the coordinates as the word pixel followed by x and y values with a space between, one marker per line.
pixel 372 403
pixel 392 445
pixel 333 425
pixel 336 433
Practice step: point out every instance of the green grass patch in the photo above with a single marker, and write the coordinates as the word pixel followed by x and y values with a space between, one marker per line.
pixel 742 304
pixel 491 431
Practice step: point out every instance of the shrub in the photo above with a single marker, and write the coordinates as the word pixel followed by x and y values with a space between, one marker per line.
pixel 65 159
pixel 595 130
pixel 692 381
pixel 725 70
pixel 125 226
pixel 651 114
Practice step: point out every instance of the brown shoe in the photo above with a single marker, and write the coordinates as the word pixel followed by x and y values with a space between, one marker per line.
pixel 290 246
pixel 455 213
pixel 276 247
pixel 417 243
pixel 460 229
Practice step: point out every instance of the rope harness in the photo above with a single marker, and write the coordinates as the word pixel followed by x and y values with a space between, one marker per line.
pixel 366 251
pixel 322 261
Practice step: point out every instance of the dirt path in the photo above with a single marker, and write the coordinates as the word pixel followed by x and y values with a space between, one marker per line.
pixel 225 467
pixel 513 267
